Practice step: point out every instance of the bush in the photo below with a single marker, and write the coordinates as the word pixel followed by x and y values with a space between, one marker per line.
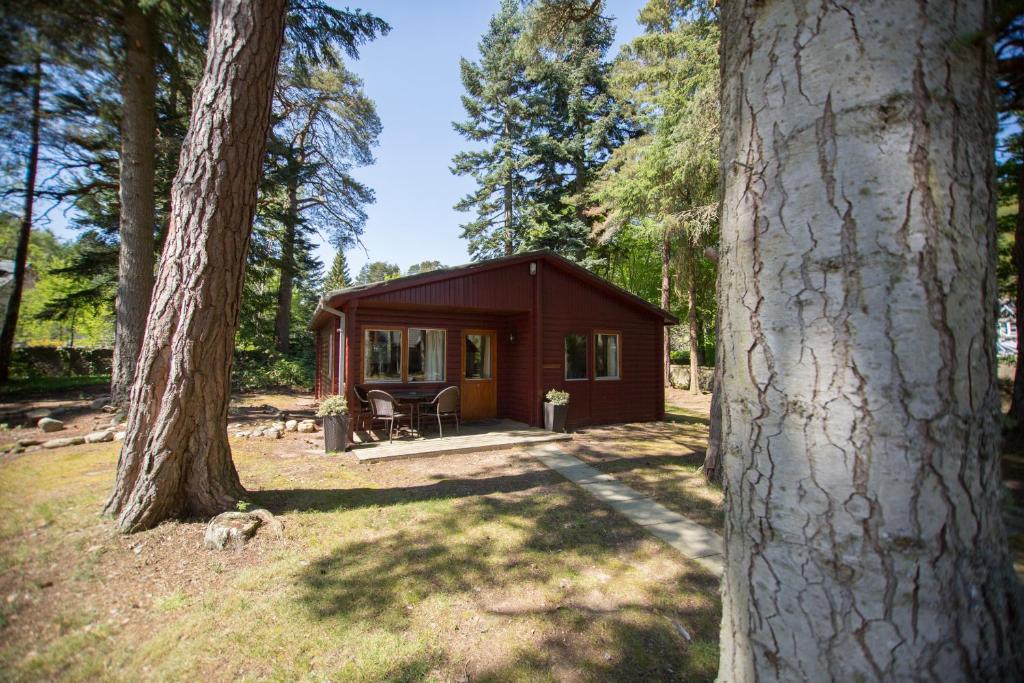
pixel 259 370
pixel 332 405
pixel 34 362
pixel 557 398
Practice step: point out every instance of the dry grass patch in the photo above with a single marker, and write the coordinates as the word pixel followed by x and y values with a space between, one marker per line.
pixel 481 567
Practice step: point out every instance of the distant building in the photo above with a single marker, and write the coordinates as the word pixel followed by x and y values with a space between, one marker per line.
pixel 1006 342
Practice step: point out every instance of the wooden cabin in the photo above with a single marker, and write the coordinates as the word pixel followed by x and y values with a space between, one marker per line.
pixel 505 331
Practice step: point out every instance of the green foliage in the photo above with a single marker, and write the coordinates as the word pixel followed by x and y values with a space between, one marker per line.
pixel 243 506
pixel 557 398
pixel 332 405
pixel 424 267
pixel 377 271
pixel 541 122
pixel 338 277
pixel 260 370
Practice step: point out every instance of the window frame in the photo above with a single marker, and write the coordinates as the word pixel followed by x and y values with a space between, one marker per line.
pixel 618 354
pixel 444 356
pixel 565 358
pixel 401 354
pixel 478 332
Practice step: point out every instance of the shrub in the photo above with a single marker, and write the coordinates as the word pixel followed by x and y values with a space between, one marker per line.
pixel 256 370
pixel 557 398
pixel 332 405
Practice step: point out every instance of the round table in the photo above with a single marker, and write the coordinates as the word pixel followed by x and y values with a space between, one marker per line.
pixel 413 397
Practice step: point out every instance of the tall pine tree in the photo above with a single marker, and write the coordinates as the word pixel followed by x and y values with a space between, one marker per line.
pixel 338 277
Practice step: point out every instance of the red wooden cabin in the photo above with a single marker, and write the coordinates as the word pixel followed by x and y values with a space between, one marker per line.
pixel 505 331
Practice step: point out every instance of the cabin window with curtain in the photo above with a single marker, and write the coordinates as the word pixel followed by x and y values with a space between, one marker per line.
pixel 382 356
pixel 606 355
pixel 575 356
pixel 426 355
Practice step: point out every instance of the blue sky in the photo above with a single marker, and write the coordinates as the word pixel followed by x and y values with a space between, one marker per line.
pixel 413 76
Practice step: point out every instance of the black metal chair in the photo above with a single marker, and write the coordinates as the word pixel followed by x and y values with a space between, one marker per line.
pixel 385 409
pixel 444 405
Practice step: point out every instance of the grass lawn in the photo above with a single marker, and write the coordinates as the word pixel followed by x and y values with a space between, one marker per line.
pixel 486 567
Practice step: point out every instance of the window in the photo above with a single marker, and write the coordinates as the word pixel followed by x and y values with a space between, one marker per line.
pixel 606 356
pixel 478 356
pixel 426 355
pixel 382 356
pixel 575 356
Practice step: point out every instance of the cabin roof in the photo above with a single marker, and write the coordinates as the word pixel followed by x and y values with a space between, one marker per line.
pixel 339 297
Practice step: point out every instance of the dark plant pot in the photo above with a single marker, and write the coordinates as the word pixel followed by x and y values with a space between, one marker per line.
pixel 554 417
pixel 336 433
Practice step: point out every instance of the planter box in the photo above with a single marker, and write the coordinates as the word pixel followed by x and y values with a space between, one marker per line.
pixel 554 417
pixel 336 433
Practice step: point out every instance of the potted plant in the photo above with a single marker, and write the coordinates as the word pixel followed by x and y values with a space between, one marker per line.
pixel 556 409
pixel 334 411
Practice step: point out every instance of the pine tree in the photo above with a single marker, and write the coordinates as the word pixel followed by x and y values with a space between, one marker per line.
pixel 338 277
pixel 499 104
pixel 377 271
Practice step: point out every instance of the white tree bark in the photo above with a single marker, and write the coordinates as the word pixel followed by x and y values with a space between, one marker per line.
pixel 860 433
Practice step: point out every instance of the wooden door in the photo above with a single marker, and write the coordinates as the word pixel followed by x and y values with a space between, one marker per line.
pixel 479 374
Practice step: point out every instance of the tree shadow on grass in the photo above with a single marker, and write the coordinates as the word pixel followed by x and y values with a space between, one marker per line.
pixel 485 549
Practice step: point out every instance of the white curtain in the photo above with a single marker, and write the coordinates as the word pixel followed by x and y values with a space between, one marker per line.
pixel 485 356
pixel 433 356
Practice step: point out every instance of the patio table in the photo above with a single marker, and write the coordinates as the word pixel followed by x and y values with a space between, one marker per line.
pixel 413 398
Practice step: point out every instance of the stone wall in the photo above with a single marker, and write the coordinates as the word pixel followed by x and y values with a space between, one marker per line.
pixel 679 376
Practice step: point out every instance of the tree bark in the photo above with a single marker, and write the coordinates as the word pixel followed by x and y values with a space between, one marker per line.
pixel 176 460
pixel 1017 400
pixel 666 301
pixel 691 318
pixel 25 231
pixel 712 457
pixel 282 322
pixel 864 537
pixel 138 202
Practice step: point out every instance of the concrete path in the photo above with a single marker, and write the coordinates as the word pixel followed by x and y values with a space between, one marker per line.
pixel 692 540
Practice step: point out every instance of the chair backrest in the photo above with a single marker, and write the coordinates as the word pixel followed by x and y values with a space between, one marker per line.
pixel 361 394
pixel 448 400
pixel 381 403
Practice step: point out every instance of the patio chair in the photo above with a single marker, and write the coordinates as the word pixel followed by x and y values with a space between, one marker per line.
pixel 365 415
pixel 444 405
pixel 386 410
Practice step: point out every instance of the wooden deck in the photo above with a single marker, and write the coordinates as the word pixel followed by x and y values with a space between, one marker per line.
pixel 486 435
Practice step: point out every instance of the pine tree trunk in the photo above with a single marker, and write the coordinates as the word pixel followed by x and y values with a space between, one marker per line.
pixel 282 322
pixel 666 293
pixel 864 538
pixel 176 460
pixel 137 194
pixel 1017 400
pixel 691 318
pixel 21 252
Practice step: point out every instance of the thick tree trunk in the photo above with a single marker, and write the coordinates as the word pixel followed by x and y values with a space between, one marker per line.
pixel 864 538
pixel 25 231
pixel 137 193
pixel 666 301
pixel 176 460
pixel 282 322
pixel 1017 400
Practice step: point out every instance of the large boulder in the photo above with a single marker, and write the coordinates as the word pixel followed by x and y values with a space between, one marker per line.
pixel 307 426
pixel 291 425
pixel 234 529
pixel 99 403
pixel 48 424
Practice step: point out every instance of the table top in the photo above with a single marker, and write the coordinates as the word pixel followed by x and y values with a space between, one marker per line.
pixel 413 394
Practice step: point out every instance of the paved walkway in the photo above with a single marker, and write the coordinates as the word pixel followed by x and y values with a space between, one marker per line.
pixel 485 435
pixel 692 540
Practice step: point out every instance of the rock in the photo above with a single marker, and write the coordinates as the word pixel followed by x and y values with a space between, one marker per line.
pixel 29 442
pixel 273 433
pixel 118 418
pixel 119 436
pixel 109 408
pixel 48 424
pixel 67 441
pixel 100 436
pixel 38 413
pixel 99 403
pixel 18 449
pixel 291 425
pixel 234 529
pixel 242 435
pixel 307 426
